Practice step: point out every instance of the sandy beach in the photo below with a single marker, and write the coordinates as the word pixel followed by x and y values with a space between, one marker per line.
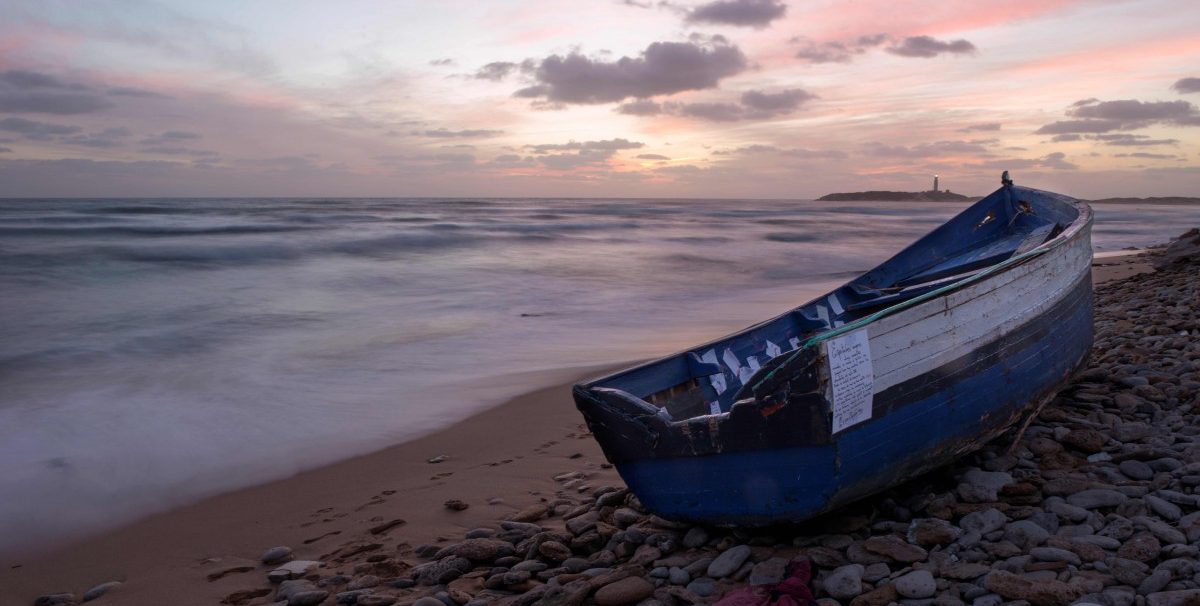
pixel 497 463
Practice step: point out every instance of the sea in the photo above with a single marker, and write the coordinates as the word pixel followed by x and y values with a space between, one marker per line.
pixel 157 351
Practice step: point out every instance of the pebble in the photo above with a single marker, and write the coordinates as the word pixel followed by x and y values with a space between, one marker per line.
pixel 983 522
pixel 768 572
pixel 1136 470
pixel 846 582
pixel 100 590
pixel 702 587
pixel 1097 498
pixel 916 584
pixel 625 591
pixel 1054 554
pixel 695 537
pixel 729 561
pixel 276 555
pixel 1186 597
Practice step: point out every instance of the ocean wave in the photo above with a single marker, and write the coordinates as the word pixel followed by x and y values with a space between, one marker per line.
pixel 146 231
pixel 794 237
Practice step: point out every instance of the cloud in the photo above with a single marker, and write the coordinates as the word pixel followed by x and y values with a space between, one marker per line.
pixel 743 13
pixel 580 153
pixel 499 70
pixel 713 112
pixel 442 62
pixel 836 51
pixel 31 129
pixel 772 104
pixel 1094 116
pixel 640 107
pixel 105 139
pixel 602 145
pixel 23 91
pixel 926 150
pixel 129 91
pixel 170 137
pixel 927 46
pixel 651 157
pixel 981 127
pixel 1134 112
pixel 664 68
pixel 752 105
pixel 179 151
pixel 1147 156
pixel 1078 126
pixel 1187 85
pixel 1130 140
pixel 442 133
pixel 1066 137
pixel 1055 160
pixel 797 152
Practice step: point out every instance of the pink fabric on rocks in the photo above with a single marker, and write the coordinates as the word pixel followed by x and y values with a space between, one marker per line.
pixel 792 591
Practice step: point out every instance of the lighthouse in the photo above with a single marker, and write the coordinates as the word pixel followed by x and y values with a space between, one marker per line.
pixel 935 183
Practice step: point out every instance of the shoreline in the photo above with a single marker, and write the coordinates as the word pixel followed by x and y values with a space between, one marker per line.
pixel 510 452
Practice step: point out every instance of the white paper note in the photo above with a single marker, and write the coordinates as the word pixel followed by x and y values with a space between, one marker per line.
pixel 795 341
pixel 752 362
pixel 718 383
pixel 731 361
pixel 851 378
pixel 744 374
pixel 773 350
pixel 714 408
pixel 709 356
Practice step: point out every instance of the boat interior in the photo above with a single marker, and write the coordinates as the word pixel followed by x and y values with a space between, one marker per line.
pixel 709 379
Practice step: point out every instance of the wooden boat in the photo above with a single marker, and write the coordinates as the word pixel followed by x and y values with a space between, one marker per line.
pixel 903 369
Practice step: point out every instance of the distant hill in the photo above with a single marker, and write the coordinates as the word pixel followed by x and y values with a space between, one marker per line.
pixel 897 196
pixel 1159 200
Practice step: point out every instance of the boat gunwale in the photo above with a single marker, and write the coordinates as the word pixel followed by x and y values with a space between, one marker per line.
pixel 1083 219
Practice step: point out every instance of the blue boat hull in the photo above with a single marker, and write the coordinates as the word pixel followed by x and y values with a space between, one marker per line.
pixel 972 400
pixel 941 348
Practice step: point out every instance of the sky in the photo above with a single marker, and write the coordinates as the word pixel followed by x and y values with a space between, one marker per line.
pixel 597 98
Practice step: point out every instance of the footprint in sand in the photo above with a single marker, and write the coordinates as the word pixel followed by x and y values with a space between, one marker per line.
pixel 326 535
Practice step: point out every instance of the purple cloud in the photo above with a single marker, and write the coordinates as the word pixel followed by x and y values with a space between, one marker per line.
pixel 743 13
pixel 1094 116
pixel 23 91
pixel 664 68
pixel 1147 156
pixel 981 127
pixel 1187 85
pixel 1055 160
pixel 837 51
pixel 443 133
pixel 640 107
pixel 773 104
pixel 31 129
pixel 580 153
pixel 713 112
pixel 926 150
pixel 926 46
